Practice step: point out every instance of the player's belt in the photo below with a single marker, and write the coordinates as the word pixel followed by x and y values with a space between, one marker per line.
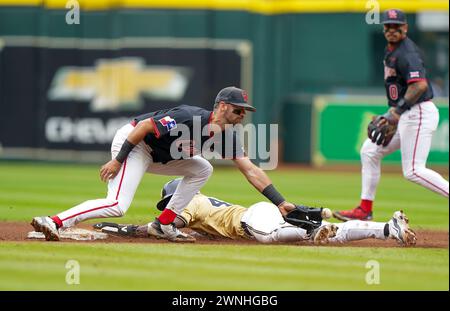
pixel 245 228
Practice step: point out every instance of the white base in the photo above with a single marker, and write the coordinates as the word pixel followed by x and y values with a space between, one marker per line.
pixel 72 234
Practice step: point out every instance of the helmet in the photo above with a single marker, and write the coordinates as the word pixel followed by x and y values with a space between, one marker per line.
pixel 167 191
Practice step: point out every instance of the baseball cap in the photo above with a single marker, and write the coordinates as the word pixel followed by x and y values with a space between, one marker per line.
pixel 235 96
pixel 393 16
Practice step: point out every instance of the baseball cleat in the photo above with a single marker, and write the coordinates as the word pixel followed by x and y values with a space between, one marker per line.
pixel 116 229
pixel 399 229
pixel 354 214
pixel 324 233
pixel 154 229
pixel 168 232
pixel 47 226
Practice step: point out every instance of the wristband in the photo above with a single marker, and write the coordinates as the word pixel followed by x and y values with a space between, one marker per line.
pixel 124 151
pixel 402 106
pixel 273 195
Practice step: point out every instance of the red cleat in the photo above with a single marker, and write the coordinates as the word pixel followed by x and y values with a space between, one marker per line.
pixel 354 214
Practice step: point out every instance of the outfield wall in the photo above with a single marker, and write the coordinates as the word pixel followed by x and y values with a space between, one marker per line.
pixel 62 80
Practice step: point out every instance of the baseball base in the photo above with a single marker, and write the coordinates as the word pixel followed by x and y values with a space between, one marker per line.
pixel 77 234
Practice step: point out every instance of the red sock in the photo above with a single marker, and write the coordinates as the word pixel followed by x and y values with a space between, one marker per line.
pixel 167 217
pixel 366 205
pixel 57 221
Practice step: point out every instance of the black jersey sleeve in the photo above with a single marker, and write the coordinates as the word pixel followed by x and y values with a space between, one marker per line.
pixel 412 68
pixel 169 120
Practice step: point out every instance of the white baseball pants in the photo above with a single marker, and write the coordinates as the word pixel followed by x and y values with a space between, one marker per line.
pixel 355 230
pixel 121 189
pixel 413 138
pixel 265 223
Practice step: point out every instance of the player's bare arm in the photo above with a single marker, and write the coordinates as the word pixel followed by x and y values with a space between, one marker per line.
pixel 259 179
pixel 110 169
pixel 254 174
pixel 412 95
pixel 415 90
pixel 392 116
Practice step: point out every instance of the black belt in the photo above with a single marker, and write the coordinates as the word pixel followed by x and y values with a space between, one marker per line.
pixel 246 230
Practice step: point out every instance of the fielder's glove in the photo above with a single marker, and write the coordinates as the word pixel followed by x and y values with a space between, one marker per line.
pixel 305 217
pixel 382 128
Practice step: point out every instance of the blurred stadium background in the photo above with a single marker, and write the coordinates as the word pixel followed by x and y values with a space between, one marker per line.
pixel 66 84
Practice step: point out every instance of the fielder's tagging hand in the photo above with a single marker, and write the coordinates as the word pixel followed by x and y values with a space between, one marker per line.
pixel 110 170
pixel 286 207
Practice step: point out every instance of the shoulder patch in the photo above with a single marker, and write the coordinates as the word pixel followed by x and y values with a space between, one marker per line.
pixel 168 122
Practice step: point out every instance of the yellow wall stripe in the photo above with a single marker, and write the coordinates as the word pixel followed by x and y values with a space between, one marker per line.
pixel 256 6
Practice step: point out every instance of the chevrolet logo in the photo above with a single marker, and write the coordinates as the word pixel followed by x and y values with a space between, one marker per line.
pixel 115 84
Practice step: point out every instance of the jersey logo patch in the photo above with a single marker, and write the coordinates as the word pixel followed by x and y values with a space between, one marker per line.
pixel 168 122
pixel 414 74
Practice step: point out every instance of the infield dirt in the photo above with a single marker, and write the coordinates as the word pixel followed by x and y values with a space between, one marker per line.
pixel 17 231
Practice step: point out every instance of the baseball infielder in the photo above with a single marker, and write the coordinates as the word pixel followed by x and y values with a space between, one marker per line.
pixel 263 221
pixel 409 123
pixel 148 145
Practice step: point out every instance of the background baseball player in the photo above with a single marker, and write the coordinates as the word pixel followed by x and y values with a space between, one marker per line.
pixel 263 221
pixel 409 95
pixel 145 146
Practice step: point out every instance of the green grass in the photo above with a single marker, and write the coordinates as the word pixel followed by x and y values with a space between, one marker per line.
pixel 32 266
pixel 27 190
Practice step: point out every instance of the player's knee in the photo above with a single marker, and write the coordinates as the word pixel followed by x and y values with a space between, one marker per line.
pixel 121 209
pixel 113 208
pixel 121 212
pixel 205 169
pixel 410 174
pixel 209 169
pixel 265 239
pixel 367 152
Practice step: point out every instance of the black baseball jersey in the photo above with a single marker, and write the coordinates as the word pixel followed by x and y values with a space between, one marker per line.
pixel 403 66
pixel 169 125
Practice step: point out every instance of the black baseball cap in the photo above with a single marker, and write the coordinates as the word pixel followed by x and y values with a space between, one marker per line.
pixel 235 96
pixel 393 16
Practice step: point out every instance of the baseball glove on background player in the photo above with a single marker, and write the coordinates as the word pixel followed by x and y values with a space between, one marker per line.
pixel 305 217
pixel 382 128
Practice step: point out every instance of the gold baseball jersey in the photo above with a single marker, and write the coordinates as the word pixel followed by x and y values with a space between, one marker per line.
pixel 212 216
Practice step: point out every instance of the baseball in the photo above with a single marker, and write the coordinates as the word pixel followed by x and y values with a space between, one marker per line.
pixel 326 213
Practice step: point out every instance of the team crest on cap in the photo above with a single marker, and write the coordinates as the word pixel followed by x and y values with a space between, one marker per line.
pixel 392 14
pixel 245 95
pixel 168 122
pixel 414 74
